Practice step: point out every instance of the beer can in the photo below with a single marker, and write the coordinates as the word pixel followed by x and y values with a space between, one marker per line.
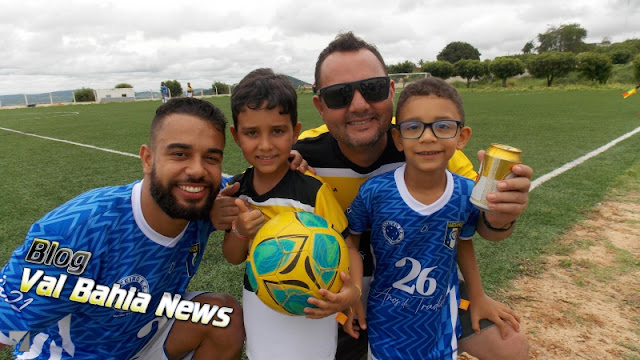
pixel 496 165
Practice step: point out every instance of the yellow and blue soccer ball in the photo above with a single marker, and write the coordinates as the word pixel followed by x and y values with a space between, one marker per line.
pixel 292 256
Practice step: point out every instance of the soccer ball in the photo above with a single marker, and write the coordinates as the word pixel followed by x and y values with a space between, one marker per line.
pixel 292 256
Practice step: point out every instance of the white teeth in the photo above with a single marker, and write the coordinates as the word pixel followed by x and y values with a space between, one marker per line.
pixel 359 122
pixel 192 189
pixel 266 157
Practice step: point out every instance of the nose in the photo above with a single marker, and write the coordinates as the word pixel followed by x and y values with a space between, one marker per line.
pixel 264 142
pixel 196 169
pixel 358 103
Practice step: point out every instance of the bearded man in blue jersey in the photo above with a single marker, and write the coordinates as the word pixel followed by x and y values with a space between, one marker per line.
pixel 104 276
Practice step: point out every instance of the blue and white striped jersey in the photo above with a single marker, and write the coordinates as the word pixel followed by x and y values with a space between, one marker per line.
pixel 87 280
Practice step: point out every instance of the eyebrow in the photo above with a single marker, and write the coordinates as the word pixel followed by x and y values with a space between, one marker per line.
pixel 277 126
pixel 187 147
pixel 178 146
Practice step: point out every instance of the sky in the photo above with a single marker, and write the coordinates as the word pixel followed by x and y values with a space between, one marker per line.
pixel 55 45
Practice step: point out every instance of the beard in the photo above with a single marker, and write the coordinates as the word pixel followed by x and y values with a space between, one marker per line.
pixel 170 205
pixel 358 141
pixel 355 142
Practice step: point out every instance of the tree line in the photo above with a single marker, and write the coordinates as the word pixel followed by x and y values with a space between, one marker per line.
pixel 556 53
pixel 559 51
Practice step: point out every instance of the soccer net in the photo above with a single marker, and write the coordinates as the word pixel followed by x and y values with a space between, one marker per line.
pixel 404 79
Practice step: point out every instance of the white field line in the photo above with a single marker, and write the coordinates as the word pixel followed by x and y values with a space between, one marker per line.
pixel 72 143
pixel 537 182
pixel 80 144
pixel 570 165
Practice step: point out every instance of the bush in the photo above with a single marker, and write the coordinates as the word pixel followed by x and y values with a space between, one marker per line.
pixel 441 69
pixel 403 67
pixel 220 88
pixel 468 69
pixel 175 89
pixel 84 95
pixel 595 67
pixel 636 67
pixel 551 64
pixel 620 56
pixel 123 86
pixel 504 68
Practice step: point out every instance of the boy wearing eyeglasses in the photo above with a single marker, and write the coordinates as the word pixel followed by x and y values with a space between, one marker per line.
pixel 355 144
pixel 421 222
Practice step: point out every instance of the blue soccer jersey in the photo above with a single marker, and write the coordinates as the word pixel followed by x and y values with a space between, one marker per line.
pixel 89 278
pixel 413 303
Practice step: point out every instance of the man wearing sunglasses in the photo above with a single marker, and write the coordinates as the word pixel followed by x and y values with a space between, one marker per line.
pixel 354 97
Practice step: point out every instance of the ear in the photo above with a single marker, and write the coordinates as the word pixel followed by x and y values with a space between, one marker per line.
pixel 392 90
pixel 146 157
pixel 234 133
pixel 463 137
pixel 397 139
pixel 317 102
pixel 296 133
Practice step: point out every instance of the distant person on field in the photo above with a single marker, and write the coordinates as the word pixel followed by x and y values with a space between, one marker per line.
pixel 164 91
pixel 189 90
pixel 141 240
pixel 265 126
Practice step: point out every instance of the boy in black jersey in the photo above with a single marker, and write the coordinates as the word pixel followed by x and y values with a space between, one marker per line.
pixel 265 127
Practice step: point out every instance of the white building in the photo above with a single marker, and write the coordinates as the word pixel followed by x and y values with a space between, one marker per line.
pixel 115 95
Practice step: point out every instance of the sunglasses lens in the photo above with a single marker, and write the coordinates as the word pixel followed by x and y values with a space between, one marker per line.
pixel 376 89
pixel 338 96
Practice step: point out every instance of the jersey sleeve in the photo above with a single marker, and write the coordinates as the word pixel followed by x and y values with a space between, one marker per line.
pixel 469 227
pixel 359 212
pixel 34 295
pixel 225 181
pixel 313 132
pixel 328 207
pixel 461 165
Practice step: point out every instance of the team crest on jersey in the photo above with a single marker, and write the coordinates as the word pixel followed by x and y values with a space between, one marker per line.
pixel 194 257
pixel 452 233
pixel 392 232
pixel 132 281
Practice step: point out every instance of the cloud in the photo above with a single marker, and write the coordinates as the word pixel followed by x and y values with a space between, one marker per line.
pixel 53 45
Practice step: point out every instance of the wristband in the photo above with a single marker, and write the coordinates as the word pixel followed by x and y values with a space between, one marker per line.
pixel 486 223
pixel 236 232
pixel 359 289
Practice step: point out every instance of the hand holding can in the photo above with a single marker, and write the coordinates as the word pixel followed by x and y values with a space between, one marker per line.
pixel 496 166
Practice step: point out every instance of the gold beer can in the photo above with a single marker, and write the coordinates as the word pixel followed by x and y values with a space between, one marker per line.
pixel 496 165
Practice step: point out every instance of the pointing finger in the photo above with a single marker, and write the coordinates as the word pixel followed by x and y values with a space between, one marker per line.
pixel 230 190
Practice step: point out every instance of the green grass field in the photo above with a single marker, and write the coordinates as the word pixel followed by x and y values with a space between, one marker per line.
pixel 551 127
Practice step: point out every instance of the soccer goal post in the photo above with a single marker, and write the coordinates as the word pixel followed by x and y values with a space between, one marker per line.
pixel 404 79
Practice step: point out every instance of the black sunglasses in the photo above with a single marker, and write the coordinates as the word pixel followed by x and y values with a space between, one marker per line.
pixel 339 96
